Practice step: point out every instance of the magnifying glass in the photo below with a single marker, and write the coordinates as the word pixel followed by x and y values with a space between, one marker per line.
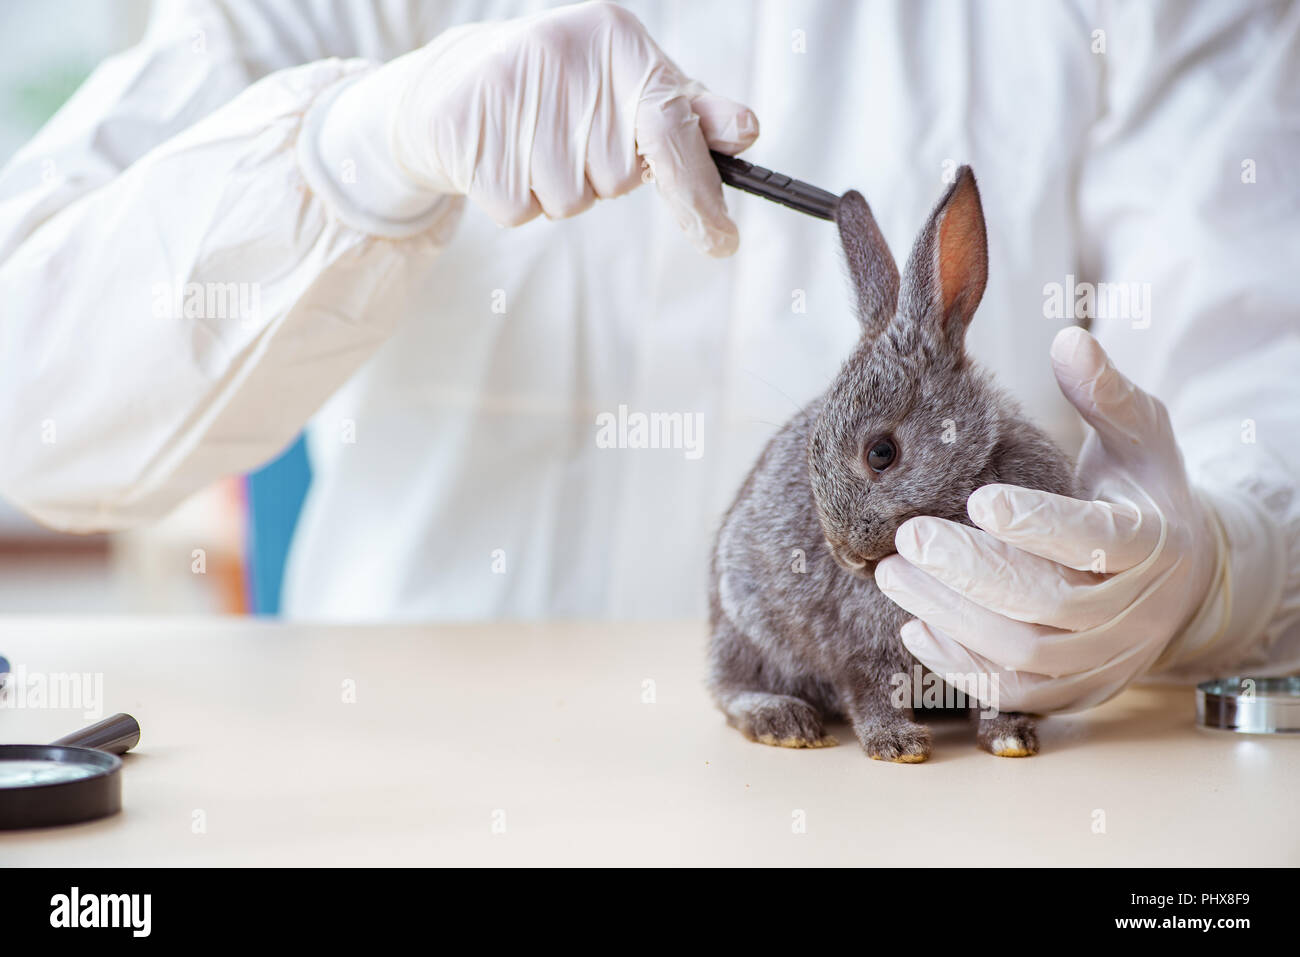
pixel 1250 705
pixel 74 779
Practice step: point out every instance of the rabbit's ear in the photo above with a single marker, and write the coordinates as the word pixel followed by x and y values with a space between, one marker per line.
pixel 871 265
pixel 949 264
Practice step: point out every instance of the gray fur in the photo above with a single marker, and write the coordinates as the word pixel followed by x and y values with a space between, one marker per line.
pixel 792 647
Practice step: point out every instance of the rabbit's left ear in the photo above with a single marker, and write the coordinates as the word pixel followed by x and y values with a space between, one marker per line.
pixel 871 264
pixel 949 265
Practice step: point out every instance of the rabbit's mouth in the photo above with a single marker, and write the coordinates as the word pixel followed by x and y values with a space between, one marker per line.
pixel 852 561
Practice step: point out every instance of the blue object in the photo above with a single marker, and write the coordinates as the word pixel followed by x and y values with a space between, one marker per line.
pixel 275 496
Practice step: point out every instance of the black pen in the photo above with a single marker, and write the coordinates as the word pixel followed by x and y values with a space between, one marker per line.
pixel 777 187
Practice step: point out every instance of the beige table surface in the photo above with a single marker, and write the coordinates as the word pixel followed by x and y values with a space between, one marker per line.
pixel 545 729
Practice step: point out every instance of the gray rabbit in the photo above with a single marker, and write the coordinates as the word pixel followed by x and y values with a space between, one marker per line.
pixel 800 632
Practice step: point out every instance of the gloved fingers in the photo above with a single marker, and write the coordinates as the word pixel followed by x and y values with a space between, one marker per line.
pixel 1131 424
pixel 952 661
pixel 613 166
pixel 668 135
pixel 1101 537
pixel 561 202
pixel 556 148
pixel 624 67
pixel 1014 690
pixel 579 131
pixel 1008 580
pixel 507 207
pixel 1012 644
pixel 728 127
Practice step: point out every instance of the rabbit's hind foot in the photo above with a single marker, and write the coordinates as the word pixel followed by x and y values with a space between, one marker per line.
pixel 782 721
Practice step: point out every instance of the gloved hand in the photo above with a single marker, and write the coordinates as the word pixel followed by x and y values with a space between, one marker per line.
pixel 544 114
pixel 1068 601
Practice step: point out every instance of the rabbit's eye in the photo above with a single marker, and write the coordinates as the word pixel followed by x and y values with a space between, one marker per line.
pixel 881 454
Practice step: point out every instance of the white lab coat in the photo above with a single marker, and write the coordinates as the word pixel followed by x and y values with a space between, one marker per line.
pixel 453 393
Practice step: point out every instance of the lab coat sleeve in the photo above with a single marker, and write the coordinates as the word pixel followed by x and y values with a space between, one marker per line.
pixel 1191 193
pixel 177 300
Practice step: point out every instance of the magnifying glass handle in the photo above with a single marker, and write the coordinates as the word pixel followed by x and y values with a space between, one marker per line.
pixel 116 734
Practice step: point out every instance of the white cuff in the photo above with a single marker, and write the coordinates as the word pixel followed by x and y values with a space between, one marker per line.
pixel 344 154
pixel 1244 593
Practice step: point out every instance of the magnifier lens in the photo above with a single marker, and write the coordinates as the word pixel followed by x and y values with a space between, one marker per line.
pixel 22 774
pixel 74 779
pixel 1250 705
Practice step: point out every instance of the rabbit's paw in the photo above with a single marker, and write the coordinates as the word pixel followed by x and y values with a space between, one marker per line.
pixel 1008 735
pixel 782 721
pixel 903 742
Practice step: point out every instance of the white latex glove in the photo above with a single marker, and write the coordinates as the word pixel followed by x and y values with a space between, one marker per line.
pixel 1067 601
pixel 540 115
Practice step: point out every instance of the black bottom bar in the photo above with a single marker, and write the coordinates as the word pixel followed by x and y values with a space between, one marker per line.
pixel 1026 911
